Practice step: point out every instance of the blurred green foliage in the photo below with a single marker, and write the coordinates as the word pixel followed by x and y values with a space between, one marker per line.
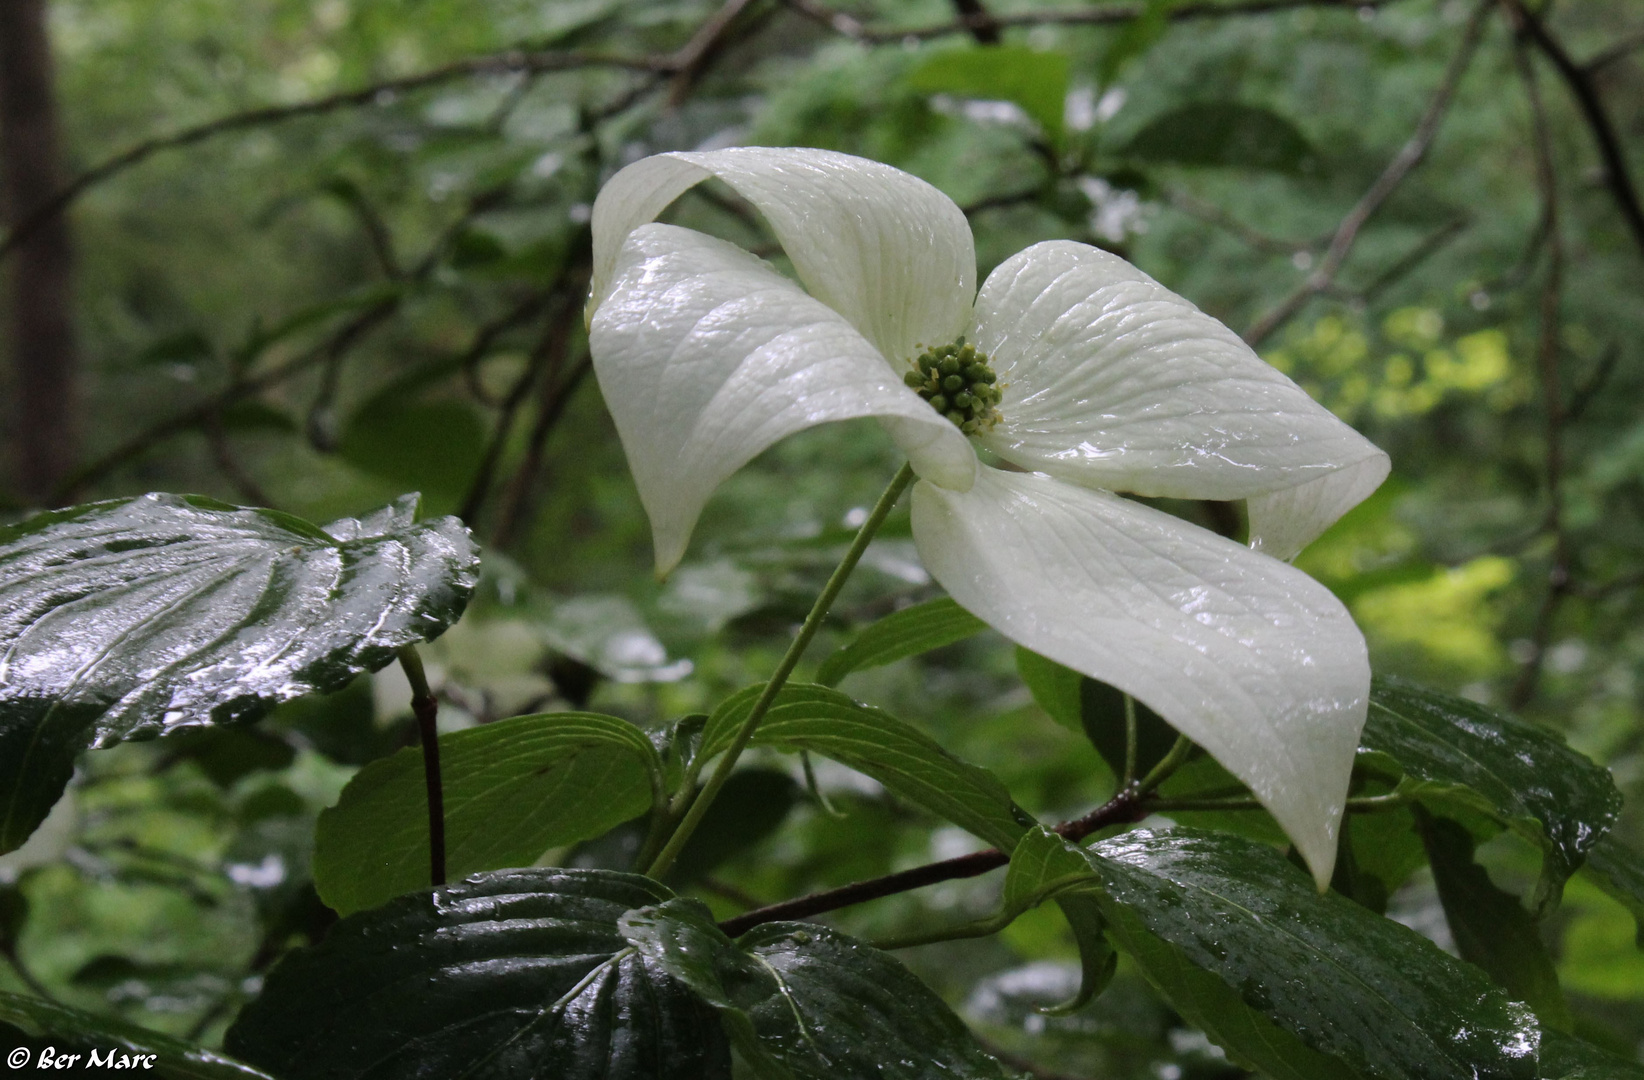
pixel 405 277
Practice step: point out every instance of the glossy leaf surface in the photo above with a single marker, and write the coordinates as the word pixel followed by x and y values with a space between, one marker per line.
pixel 873 742
pixel 909 632
pixel 808 1003
pixel 1456 753
pixel 138 617
pixel 70 1031
pixel 1490 927
pixel 1348 984
pixel 518 973
pixel 513 789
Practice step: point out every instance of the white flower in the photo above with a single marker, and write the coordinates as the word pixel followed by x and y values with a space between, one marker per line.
pixel 1110 382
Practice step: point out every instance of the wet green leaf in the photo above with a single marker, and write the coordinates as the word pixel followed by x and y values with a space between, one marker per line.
pixel 1565 1057
pixel 507 974
pixel 1034 80
pixel 1490 927
pixel 1083 704
pixel 70 1031
pixel 1223 133
pixel 1043 864
pixel 138 617
pixel 804 1002
pixel 1454 754
pixel 513 789
pixel 1379 998
pixel 1619 871
pixel 873 742
pixel 909 632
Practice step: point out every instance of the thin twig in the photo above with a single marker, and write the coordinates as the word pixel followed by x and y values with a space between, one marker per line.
pixel 692 59
pixel 426 707
pixel 1211 214
pixel 509 61
pixel 1552 391
pixel 1408 157
pixel 1580 83
pixel 1599 61
pixel 1105 15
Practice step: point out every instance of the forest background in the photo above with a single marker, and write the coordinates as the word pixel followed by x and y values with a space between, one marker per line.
pixel 315 255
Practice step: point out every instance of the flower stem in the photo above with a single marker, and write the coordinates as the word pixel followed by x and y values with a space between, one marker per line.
pixel 779 678
pixel 427 707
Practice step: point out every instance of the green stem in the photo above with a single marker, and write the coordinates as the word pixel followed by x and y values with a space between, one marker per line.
pixel 980 928
pixel 779 678
pixel 1166 766
pixel 427 708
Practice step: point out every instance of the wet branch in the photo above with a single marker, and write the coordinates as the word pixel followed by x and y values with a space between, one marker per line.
pixel 1403 163
pixel 1579 80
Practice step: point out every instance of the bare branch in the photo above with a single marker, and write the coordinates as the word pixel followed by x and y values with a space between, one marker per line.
pixel 1628 44
pixel 1408 157
pixel 692 58
pixel 1105 15
pixel 982 26
pixel 1580 83
pixel 1211 214
pixel 1552 391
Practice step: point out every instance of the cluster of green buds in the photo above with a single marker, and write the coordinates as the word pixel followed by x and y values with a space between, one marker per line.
pixel 959 384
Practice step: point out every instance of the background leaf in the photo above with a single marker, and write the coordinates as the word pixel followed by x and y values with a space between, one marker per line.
pixel 1034 80
pixel 518 973
pixel 874 743
pixel 137 617
pixel 44 1023
pixel 513 789
pixel 909 632
pixel 1227 134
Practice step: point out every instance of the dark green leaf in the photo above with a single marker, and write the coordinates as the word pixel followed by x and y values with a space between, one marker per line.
pixel 1619 871
pixel 14 912
pixel 508 974
pixel 751 806
pixel 1095 709
pixel 1037 81
pixel 908 632
pixel 434 446
pixel 513 789
pixel 1347 984
pixel 1490 927
pixel 138 617
pixel 1223 133
pixel 70 1031
pixel 907 761
pixel 1134 38
pixel 1565 1057
pixel 1043 864
pixel 807 1003
pixel 1053 686
pixel 1454 754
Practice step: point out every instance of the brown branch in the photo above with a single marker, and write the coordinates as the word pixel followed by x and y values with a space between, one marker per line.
pixel 550 345
pixel 1128 805
pixel 982 26
pixel 1407 262
pixel 1211 214
pixel 1105 15
pixel 1599 61
pixel 693 57
pixel 1552 390
pixel 1580 83
pixel 1408 157
pixel 227 464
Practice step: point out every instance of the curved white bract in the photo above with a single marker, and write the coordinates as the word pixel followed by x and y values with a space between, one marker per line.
pixel 1246 655
pixel 886 250
pixel 1113 381
pixel 707 356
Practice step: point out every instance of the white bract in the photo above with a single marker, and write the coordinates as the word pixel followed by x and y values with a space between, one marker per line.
pixel 1110 382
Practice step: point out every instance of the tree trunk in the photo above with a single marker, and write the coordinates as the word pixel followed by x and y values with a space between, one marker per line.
pixel 41 281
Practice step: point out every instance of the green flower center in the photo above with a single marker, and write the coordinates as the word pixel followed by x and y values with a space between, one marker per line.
pixel 959 383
